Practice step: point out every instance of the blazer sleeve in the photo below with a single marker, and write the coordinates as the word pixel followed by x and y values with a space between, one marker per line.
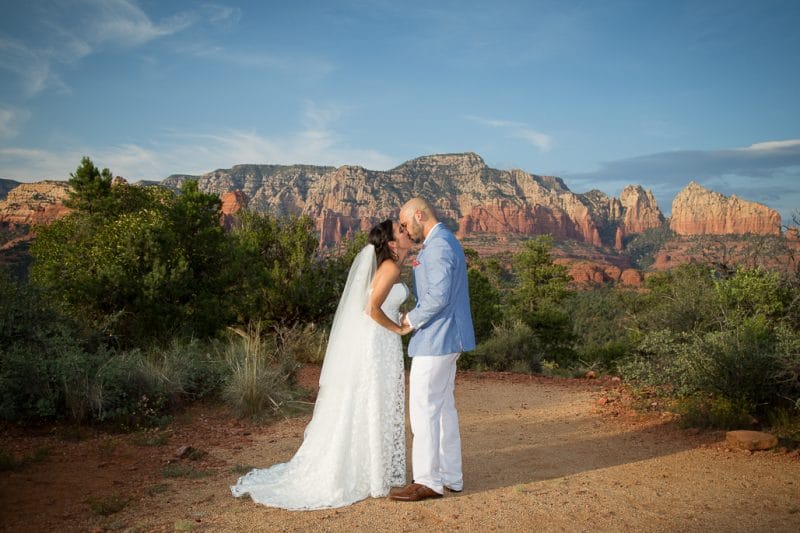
pixel 440 267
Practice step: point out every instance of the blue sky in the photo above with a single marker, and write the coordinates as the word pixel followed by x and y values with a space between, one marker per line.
pixel 601 93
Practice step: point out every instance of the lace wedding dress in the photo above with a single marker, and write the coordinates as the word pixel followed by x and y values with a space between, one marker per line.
pixel 354 446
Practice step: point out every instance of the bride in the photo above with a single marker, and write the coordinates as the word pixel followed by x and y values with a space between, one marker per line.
pixel 354 446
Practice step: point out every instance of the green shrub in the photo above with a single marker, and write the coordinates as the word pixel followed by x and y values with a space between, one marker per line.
pixel 190 369
pixel 304 344
pixel 787 376
pixel 513 346
pixel 599 324
pixel 261 374
pixel 681 300
pixel 137 263
pixel 484 302
pixel 738 363
pixel 34 342
pixel 283 278
pixel 660 360
pixel 703 411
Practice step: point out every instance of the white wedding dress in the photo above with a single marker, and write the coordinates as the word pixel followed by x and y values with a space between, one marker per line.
pixel 354 446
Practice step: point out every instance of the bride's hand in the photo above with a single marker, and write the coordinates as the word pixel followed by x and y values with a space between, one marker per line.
pixel 404 329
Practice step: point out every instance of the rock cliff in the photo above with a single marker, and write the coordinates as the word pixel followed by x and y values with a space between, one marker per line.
pixel 468 195
pixel 5 186
pixel 699 211
pixel 490 209
pixel 34 203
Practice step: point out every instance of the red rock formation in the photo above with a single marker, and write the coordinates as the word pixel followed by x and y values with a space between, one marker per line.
pixel 699 211
pixel 618 238
pixel 35 203
pixel 641 210
pixel 631 278
pixel 502 217
pixel 232 203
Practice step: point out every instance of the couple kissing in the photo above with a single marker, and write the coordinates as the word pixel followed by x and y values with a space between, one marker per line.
pixel 354 446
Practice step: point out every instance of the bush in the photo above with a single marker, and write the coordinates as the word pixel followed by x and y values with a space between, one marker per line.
pixel 739 364
pixel 662 360
pixel 34 342
pixel 682 300
pixel 599 324
pixel 787 376
pixel 513 346
pixel 537 299
pixel 703 411
pixel 138 263
pixel 305 344
pixel 283 277
pixel 261 374
pixel 484 302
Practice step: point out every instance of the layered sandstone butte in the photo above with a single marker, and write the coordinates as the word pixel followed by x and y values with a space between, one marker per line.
pixel 34 203
pixel 468 195
pixel 634 212
pixel 699 211
pixel 640 210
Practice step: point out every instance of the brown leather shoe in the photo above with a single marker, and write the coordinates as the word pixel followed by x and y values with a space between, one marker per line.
pixel 413 493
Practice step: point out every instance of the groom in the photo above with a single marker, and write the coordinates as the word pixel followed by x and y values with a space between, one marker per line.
pixel 442 327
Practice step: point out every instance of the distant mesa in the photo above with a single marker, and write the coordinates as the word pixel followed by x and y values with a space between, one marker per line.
pixel 471 197
pixel 480 203
pixel 34 203
pixel 699 211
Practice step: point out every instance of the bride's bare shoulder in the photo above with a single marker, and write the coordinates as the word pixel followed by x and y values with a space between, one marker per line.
pixel 389 267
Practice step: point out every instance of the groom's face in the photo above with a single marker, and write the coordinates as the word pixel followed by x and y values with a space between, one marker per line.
pixel 411 226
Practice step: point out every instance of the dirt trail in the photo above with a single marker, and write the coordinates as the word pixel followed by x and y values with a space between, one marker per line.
pixel 539 455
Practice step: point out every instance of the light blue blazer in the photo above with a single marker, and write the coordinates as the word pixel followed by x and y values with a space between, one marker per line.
pixel 442 320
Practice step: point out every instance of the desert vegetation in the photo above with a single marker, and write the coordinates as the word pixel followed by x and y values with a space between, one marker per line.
pixel 139 302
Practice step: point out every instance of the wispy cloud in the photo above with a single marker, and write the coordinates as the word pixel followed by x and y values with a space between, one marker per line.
pixel 10 120
pixel 67 34
pixel 124 23
pixel 316 142
pixel 518 130
pixel 761 160
pixel 766 172
pixel 30 65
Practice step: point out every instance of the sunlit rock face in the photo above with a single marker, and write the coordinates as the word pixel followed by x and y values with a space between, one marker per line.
pixel 699 211
pixel 34 203
pixel 469 196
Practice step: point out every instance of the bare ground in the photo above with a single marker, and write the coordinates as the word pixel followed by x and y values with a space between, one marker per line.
pixel 539 454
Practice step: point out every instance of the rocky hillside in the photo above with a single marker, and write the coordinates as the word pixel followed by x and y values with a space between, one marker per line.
pixel 491 209
pixel 699 211
pixel 34 203
pixel 5 186
pixel 469 196
pixel 21 208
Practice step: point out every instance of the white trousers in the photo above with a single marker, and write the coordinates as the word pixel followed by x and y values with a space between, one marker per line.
pixel 436 449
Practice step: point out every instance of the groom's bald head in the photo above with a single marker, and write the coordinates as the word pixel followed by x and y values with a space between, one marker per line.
pixel 417 204
pixel 417 216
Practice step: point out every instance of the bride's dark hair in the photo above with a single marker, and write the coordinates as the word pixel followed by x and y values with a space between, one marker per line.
pixel 379 237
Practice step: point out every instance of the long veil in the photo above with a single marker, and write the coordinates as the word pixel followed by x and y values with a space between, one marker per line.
pixel 350 322
pixel 353 447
